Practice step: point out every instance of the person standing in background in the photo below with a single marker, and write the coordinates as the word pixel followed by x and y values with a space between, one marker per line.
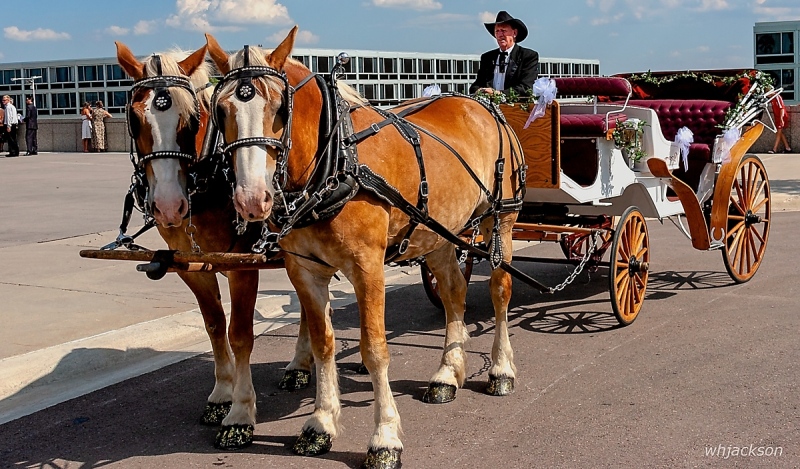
pixel 3 130
pixel 781 119
pixel 99 114
pixel 31 127
pixel 86 126
pixel 10 125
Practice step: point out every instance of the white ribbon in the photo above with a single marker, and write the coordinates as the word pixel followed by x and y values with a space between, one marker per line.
pixel 432 90
pixel 684 138
pixel 729 138
pixel 545 91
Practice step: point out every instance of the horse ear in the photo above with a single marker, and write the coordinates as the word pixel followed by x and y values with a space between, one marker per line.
pixel 190 64
pixel 128 61
pixel 218 55
pixel 278 57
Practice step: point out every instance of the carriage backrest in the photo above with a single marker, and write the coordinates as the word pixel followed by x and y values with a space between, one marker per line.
pixel 703 117
pixel 593 86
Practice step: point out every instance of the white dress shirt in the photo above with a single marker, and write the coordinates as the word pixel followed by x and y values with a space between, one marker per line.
pixel 499 82
pixel 11 115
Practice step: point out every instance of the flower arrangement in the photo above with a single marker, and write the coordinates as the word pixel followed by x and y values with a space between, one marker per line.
pixel 511 98
pixel 627 136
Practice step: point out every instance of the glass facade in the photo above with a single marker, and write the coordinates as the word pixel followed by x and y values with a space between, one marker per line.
pixel 776 52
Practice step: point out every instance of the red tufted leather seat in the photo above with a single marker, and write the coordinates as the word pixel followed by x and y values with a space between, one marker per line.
pixel 702 117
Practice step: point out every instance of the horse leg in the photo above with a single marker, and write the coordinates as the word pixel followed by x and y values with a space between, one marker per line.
pixel 298 372
pixel 238 426
pixel 503 371
pixel 311 282
pixel 368 280
pixel 453 290
pixel 206 289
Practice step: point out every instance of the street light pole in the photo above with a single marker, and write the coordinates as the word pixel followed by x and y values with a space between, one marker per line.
pixel 32 81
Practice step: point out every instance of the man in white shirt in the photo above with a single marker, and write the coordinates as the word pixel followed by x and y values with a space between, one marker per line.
pixel 10 125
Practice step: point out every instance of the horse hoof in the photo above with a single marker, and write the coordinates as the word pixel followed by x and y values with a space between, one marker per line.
pixel 439 393
pixel 311 443
pixel 215 412
pixel 383 458
pixel 234 437
pixel 294 380
pixel 500 386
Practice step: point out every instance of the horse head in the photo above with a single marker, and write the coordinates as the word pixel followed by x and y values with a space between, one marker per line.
pixel 252 108
pixel 163 122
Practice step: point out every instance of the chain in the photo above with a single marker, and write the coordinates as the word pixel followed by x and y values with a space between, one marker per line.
pixel 589 251
pixel 465 253
pixel 191 229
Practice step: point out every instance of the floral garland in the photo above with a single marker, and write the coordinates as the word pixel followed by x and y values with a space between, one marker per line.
pixel 741 110
pixel 510 98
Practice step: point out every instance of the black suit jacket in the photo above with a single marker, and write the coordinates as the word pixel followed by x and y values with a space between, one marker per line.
pixel 522 71
pixel 31 117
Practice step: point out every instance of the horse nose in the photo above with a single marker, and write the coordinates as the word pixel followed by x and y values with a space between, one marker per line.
pixel 170 218
pixel 253 208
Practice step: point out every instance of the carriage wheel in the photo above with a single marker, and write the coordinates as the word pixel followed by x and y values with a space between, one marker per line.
pixel 749 206
pixel 629 265
pixel 432 286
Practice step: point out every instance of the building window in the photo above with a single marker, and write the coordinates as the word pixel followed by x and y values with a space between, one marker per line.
pixel 321 64
pixel 91 96
pixel 367 65
pixel 7 75
pixel 388 92
pixel 90 73
pixel 408 91
pixel 775 48
pixel 370 92
pixel 302 59
pixel 426 65
pixel 409 66
pixel 37 72
pixel 64 101
pixel 444 66
pixel 784 79
pixel 388 65
pixel 63 75
pixel 115 72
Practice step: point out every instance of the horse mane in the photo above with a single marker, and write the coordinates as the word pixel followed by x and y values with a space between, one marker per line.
pixel 181 98
pixel 258 57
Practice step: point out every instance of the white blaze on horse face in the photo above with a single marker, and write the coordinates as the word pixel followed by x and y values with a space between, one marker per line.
pixel 168 183
pixel 253 194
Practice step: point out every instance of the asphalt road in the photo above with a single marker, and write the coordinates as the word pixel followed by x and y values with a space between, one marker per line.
pixel 708 366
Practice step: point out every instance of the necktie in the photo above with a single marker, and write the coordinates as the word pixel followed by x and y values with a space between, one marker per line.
pixel 501 61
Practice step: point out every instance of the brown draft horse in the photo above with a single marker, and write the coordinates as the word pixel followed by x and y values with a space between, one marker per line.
pixel 256 113
pixel 161 113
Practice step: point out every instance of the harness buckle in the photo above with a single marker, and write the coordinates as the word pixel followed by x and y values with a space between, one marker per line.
pixel 423 189
pixel 375 127
pixel 403 246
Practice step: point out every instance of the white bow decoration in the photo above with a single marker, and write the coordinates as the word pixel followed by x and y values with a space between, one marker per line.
pixel 729 138
pixel 432 90
pixel 684 138
pixel 545 91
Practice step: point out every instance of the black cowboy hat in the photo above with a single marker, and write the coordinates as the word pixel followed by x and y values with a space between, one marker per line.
pixel 504 17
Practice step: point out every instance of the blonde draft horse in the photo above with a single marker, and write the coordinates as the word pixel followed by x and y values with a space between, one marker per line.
pixel 160 116
pixel 355 240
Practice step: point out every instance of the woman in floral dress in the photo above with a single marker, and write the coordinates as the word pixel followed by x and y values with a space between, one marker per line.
pixel 99 114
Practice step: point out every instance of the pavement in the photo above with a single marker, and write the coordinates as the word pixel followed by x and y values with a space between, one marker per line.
pixel 78 327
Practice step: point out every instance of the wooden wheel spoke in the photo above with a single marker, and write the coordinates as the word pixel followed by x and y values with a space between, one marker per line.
pixel 735 231
pixel 757 207
pixel 739 196
pixel 735 203
pixel 751 182
pixel 756 192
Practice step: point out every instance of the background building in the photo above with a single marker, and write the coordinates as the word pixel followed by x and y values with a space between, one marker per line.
pixel 385 78
pixel 775 52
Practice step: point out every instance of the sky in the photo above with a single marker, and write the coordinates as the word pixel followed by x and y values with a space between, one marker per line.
pixel 624 35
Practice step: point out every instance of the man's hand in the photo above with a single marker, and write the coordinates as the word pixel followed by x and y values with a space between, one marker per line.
pixel 490 91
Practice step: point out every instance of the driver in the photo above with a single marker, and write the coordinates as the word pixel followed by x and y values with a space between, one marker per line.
pixel 511 66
